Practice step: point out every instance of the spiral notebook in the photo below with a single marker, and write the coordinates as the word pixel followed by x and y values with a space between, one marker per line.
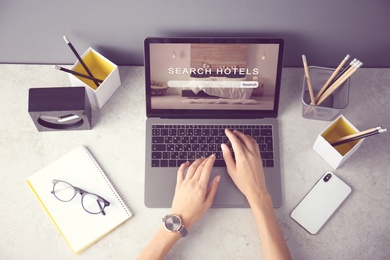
pixel 79 228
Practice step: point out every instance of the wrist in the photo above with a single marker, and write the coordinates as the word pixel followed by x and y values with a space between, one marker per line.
pixel 259 199
pixel 173 223
pixel 186 221
pixel 174 236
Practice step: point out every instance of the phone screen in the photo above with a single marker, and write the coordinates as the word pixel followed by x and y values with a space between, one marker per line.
pixel 321 202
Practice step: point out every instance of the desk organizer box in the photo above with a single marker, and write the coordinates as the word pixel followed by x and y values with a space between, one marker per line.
pixel 60 108
pixel 101 68
pixel 335 156
pixel 333 105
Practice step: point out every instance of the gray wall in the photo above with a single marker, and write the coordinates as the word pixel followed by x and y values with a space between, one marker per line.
pixel 31 30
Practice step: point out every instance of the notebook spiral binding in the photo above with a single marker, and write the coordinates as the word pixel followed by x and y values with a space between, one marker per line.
pixel 119 197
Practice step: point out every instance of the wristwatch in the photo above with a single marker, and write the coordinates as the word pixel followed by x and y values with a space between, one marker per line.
pixel 173 223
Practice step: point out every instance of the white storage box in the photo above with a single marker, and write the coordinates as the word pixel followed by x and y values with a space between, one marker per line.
pixel 335 156
pixel 101 68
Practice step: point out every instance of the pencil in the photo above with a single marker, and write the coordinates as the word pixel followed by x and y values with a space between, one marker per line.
pixel 360 135
pixel 337 83
pixel 309 86
pixel 343 71
pixel 357 138
pixel 80 59
pixel 340 81
pixel 327 83
pixel 78 74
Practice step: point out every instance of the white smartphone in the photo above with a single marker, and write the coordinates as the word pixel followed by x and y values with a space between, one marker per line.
pixel 321 202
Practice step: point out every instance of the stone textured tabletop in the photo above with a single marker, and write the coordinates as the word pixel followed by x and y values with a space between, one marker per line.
pixel 360 229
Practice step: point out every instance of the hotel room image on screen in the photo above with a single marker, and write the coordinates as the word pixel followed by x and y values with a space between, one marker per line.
pixel 229 76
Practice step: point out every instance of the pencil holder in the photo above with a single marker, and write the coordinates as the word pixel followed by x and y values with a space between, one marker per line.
pixel 60 108
pixel 101 68
pixel 333 105
pixel 335 156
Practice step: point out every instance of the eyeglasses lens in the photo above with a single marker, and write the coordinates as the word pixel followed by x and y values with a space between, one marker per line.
pixel 92 203
pixel 64 191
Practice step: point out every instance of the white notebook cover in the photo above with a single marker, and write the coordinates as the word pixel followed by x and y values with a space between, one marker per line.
pixel 79 228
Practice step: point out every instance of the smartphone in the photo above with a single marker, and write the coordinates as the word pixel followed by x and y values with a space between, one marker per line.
pixel 321 202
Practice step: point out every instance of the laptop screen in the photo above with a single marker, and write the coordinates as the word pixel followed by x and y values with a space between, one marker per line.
pixel 213 77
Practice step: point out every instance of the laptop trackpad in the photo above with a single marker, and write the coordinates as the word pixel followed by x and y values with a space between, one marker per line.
pixel 228 194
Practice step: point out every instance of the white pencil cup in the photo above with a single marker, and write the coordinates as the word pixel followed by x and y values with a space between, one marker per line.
pixel 101 68
pixel 333 105
pixel 335 156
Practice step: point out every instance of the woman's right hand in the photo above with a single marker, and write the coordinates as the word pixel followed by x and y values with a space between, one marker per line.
pixel 247 169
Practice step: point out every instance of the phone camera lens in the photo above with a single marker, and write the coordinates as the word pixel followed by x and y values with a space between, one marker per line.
pixel 327 177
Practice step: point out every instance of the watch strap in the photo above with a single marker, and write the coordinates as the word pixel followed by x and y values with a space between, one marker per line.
pixel 183 231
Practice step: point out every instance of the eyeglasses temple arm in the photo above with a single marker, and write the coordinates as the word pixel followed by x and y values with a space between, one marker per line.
pixel 100 206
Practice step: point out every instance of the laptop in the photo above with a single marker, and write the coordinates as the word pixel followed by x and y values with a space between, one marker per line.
pixel 197 87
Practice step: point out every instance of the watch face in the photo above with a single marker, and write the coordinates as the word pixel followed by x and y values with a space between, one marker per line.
pixel 173 223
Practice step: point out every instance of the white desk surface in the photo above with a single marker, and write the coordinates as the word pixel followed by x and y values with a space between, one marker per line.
pixel 360 229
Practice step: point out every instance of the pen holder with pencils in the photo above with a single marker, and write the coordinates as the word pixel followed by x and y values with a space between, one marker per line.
pixel 101 68
pixel 336 155
pixel 332 105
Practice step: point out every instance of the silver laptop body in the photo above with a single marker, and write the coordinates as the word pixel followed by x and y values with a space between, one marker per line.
pixel 198 83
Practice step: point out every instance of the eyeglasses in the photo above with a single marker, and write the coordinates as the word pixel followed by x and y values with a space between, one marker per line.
pixel 91 202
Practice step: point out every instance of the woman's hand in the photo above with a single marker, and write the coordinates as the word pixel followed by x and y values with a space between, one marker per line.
pixel 193 196
pixel 247 170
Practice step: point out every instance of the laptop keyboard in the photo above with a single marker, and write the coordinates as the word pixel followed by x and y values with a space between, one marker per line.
pixel 173 145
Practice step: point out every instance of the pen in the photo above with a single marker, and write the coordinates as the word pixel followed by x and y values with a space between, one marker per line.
pixel 80 59
pixel 359 135
pixel 307 75
pixel 327 83
pixel 77 73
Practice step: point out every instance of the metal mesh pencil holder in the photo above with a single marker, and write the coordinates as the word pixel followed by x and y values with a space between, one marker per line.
pixel 333 105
